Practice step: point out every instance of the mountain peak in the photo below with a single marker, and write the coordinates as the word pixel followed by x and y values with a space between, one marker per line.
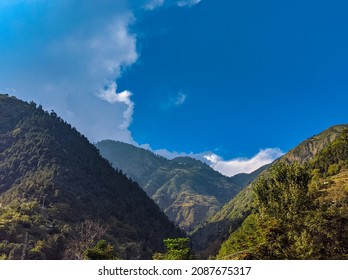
pixel 187 189
pixel 232 214
pixel 53 182
pixel 311 146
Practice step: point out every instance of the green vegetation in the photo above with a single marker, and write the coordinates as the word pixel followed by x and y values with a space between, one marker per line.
pixel 208 238
pixel 101 251
pixel 187 190
pixel 309 148
pixel 59 197
pixel 300 211
pixel 176 249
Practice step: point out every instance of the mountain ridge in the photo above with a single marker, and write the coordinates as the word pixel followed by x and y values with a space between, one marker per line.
pixel 55 187
pixel 187 189
pixel 300 208
pixel 208 238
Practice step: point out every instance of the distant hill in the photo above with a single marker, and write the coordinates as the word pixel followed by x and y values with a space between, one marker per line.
pixel 187 189
pixel 136 163
pixel 207 239
pixel 59 197
pixel 244 179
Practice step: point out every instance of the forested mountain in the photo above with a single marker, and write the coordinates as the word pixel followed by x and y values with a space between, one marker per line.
pixel 137 163
pixel 188 190
pixel 59 198
pixel 310 147
pixel 208 238
pixel 301 211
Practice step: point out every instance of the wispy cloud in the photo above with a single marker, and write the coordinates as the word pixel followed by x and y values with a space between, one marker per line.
pixel 172 101
pixel 189 3
pixel 165 153
pixel 153 4
pixel 110 95
pixel 7 90
pixel 180 99
pixel 243 165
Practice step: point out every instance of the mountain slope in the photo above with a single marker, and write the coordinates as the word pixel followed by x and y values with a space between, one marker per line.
pixel 244 179
pixel 208 238
pixel 310 147
pixel 58 196
pixel 186 189
pixel 300 210
pixel 137 163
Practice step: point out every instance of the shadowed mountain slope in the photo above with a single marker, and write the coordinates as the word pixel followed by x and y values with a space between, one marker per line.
pixel 187 189
pixel 58 196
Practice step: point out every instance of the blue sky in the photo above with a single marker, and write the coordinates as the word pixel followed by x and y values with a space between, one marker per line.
pixel 234 83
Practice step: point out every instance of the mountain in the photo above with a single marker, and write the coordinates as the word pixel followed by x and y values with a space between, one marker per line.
pixel 310 147
pixel 300 210
pixel 137 163
pixel 59 197
pixel 187 189
pixel 208 238
pixel 244 179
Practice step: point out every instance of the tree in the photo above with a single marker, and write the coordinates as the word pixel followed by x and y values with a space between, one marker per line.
pixel 101 251
pixel 87 234
pixel 283 193
pixel 277 228
pixel 176 249
pixel 283 207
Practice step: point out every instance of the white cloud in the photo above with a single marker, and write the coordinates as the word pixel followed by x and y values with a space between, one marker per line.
pixel 68 54
pixel 243 165
pixel 110 95
pixel 71 55
pixel 153 4
pixel 173 101
pixel 9 91
pixel 180 99
pixel 172 154
pixel 189 3
pixel 162 152
pixel 225 167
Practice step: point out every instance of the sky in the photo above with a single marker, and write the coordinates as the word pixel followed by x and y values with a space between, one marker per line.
pixel 233 83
